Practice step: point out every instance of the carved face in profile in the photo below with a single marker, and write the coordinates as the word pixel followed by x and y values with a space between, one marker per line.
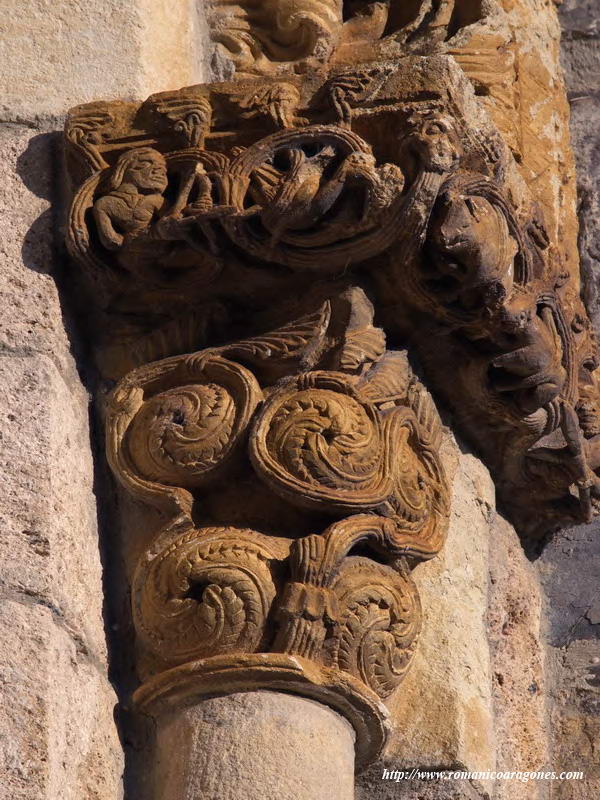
pixel 470 252
pixel 144 168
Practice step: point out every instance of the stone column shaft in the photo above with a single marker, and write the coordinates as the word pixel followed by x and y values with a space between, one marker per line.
pixel 252 746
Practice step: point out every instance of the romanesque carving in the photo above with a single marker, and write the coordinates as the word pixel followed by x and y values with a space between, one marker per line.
pixel 347 432
pixel 254 34
pixel 429 219
pixel 207 592
pixel 134 197
pixel 84 132
pixel 263 37
pixel 320 415
pixel 297 467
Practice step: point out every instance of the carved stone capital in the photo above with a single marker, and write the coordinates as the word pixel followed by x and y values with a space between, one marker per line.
pixel 348 437
pixel 263 259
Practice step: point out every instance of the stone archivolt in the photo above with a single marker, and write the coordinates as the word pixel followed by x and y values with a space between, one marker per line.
pixel 382 179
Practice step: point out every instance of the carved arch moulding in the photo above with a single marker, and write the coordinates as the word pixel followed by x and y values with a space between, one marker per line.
pixel 261 256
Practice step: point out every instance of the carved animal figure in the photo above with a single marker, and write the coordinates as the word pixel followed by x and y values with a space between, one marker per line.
pixel 304 195
pixel 530 368
pixel 470 251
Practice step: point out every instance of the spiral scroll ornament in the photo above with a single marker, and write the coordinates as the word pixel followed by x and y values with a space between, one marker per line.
pixel 182 432
pixel 378 624
pixel 323 444
pixel 323 441
pixel 181 435
pixel 206 593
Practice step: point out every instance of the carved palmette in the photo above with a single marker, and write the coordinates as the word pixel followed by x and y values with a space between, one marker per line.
pixel 348 611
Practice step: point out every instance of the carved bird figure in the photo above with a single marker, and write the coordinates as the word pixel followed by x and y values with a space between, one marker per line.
pixel 305 194
pixel 301 196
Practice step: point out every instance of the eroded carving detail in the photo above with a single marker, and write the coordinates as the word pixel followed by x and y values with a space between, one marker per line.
pixel 319 414
pixel 297 468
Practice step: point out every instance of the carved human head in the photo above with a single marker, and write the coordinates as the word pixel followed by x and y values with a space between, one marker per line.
pixel 434 137
pixel 144 168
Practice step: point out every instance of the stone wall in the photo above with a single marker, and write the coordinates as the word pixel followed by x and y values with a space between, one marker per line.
pixel 581 62
pixel 58 738
pixel 570 572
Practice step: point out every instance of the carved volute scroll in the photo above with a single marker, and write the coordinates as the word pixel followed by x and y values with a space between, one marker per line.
pixel 259 255
pixel 315 416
